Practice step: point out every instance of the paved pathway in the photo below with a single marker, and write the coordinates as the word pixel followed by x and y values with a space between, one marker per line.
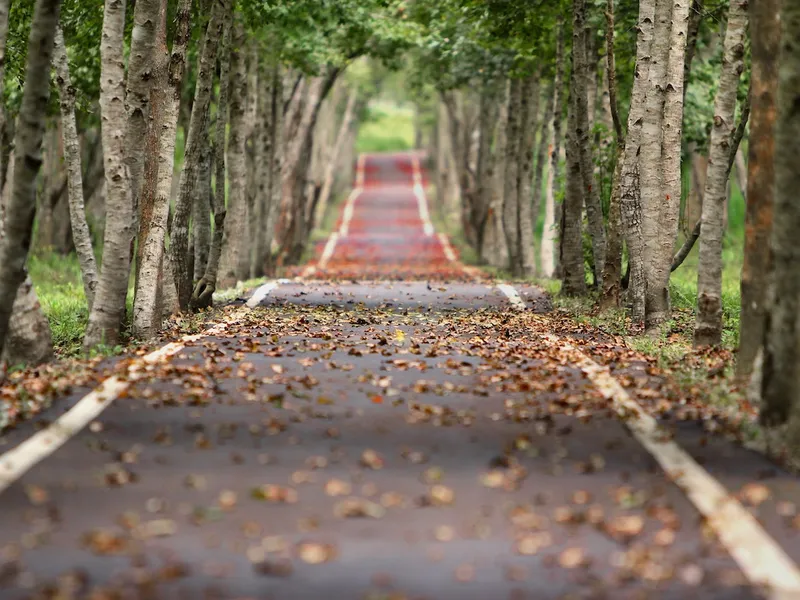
pixel 388 427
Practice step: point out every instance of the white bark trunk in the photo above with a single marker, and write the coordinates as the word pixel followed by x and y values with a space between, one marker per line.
pixel 72 153
pixel 708 326
pixel 155 292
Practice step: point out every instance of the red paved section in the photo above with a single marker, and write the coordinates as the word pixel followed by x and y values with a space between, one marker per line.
pixel 384 234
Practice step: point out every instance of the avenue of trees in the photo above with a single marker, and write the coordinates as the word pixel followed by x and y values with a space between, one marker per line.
pixel 180 146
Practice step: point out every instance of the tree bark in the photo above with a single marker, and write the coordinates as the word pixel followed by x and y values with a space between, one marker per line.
pixel 264 152
pixel 765 35
pixel 233 244
pixel 573 275
pixel 196 142
pixel 510 185
pixel 591 192
pixel 548 253
pixel 482 198
pixel 526 266
pixel 202 297
pixel 708 322
pixel 612 269
pixel 155 283
pixel 781 359
pixel 495 249
pixel 248 231
pixel 72 154
pixel 108 310
pixel 141 66
pixel 335 155
pixel 652 170
pixel 20 208
pixel 630 190
pixel 4 10
pixel 541 156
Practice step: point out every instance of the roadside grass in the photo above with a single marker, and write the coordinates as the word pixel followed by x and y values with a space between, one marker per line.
pixel 388 128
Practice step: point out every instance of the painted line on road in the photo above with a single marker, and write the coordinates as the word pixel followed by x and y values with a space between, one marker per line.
pixel 261 293
pixel 448 249
pixel 422 200
pixel 18 461
pixel 760 558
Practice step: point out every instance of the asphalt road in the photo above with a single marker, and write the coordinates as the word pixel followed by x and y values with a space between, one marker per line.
pixel 390 427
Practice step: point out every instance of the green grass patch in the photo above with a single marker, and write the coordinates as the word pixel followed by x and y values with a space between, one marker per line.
pixel 57 280
pixel 387 128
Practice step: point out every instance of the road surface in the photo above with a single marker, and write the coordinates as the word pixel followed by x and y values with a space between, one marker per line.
pixel 391 425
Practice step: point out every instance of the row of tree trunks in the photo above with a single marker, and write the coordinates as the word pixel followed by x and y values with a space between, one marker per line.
pixel 72 155
pixel 196 144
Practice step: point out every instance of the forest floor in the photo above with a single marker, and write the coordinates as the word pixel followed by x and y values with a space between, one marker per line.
pixel 389 423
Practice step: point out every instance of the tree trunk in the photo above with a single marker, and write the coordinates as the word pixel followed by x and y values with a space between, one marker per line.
pixel 765 35
pixel 573 275
pixel 233 243
pixel 72 155
pixel 202 297
pixel 548 253
pixel 708 324
pixel 510 186
pixel 335 155
pixel 652 175
pixel 4 6
pixel 155 282
pixel 295 148
pixel 196 143
pixel 20 208
pixel 781 364
pixel 657 307
pixel 141 66
pixel 248 231
pixel 482 198
pixel 630 190
pixel 541 156
pixel 612 270
pixel 495 250
pixel 591 191
pixel 692 35
pixel 108 310
pixel 264 152
pixel 526 266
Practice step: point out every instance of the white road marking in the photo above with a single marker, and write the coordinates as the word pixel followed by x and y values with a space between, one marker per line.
pixel 760 558
pixel 448 249
pixel 15 463
pixel 261 293
pixel 512 295
pixel 349 208
pixel 419 192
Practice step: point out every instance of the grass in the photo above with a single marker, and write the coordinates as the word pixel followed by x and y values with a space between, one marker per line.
pixel 57 280
pixel 388 128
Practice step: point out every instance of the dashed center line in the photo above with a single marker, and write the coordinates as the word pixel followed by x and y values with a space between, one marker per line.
pixel 760 557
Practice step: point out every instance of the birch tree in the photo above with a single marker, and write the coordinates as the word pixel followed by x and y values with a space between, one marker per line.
pixel 72 154
pixel 708 325
pixel 196 142
pixel 153 277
